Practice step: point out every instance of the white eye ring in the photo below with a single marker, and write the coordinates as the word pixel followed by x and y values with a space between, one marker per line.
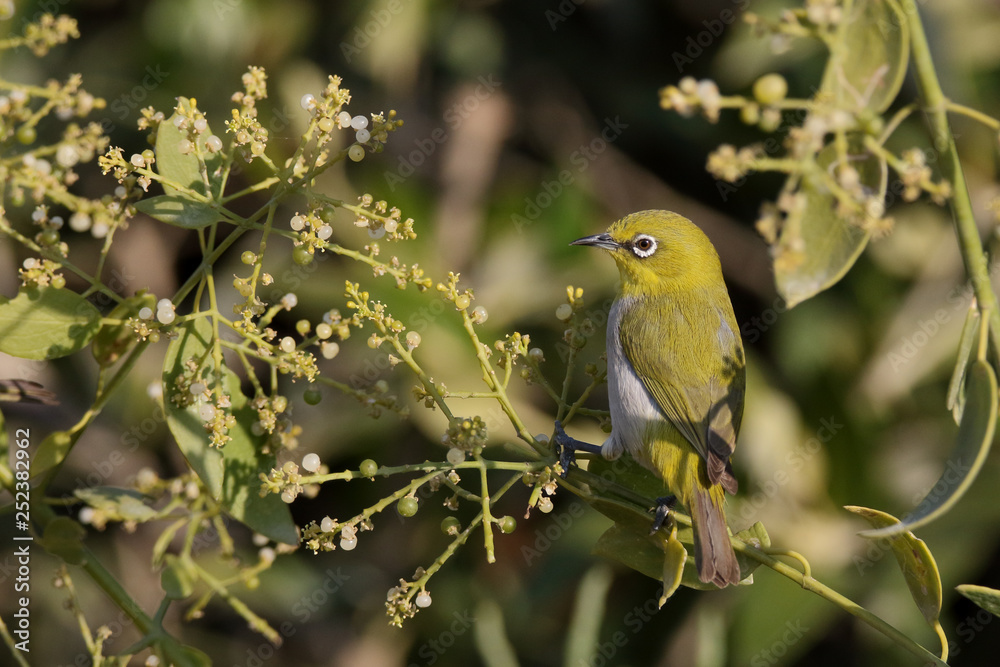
pixel 643 246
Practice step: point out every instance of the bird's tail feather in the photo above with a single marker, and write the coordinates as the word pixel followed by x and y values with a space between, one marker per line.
pixel 713 553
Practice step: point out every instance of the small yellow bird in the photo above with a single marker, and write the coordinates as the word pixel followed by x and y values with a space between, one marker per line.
pixel 676 373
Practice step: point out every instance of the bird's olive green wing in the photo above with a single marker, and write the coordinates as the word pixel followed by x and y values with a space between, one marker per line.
pixel 690 359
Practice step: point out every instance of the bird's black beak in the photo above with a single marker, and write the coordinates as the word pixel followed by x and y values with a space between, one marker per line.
pixel 600 240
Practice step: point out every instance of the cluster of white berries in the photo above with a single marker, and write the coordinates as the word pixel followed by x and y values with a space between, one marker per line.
pixel 344 121
pixel 729 164
pixel 165 313
pixel 298 223
pixel 689 95
pixel 198 126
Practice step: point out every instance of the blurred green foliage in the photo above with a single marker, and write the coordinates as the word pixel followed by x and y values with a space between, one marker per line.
pixel 505 104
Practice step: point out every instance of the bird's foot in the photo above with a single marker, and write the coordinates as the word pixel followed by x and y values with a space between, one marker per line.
pixel 662 511
pixel 566 448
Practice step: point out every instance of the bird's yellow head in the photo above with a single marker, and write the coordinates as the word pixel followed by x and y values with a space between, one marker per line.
pixel 659 252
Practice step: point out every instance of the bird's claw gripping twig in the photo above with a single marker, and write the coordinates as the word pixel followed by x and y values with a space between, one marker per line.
pixel 566 448
pixel 662 510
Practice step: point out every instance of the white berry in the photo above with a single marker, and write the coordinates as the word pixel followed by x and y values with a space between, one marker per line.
pixel 311 462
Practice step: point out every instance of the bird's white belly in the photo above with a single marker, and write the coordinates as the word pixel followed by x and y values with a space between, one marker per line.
pixel 632 406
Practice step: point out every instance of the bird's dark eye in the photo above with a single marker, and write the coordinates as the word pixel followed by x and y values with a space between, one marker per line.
pixel 643 246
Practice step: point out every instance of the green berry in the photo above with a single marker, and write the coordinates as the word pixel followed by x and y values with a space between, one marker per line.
pixel 303 327
pixel 450 526
pixel 248 257
pixel 312 396
pixel 302 256
pixel 26 135
pixel 507 524
pixel 368 468
pixel 770 89
pixel 328 214
pixel 58 281
pixel 48 237
pixel 407 506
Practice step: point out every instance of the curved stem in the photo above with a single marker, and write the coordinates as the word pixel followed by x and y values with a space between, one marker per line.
pixel 805 580
pixel 850 606
pixel 936 106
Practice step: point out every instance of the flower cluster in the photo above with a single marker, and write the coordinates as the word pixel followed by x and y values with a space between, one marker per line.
pixel 381 220
pixel 245 125
pixel 690 95
pixel 47 32
pixel 467 434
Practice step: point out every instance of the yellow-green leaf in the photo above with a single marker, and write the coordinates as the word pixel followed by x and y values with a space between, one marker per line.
pixel 231 473
pixel 914 558
pixel 117 504
pixel 985 598
pixel 869 57
pixel 755 536
pixel 178 210
pixel 183 175
pixel 629 543
pixel 52 451
pixel 46 323
pixel 674 558
pixel 975 438
pixel 956 388
pixel 823 246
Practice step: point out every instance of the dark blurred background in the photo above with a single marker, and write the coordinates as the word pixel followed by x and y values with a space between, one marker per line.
pixel 527 125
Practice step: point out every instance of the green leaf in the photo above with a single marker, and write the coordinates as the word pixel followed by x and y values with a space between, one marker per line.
pixel 629 543
pixel 869 57
pixel 175 580
pixel 185 424
pixel 867 64
pixel 177 206
pixel 829 243
pixel 63 538
pixel 674 558
pixel 117 504
pixel 181 655
pixel 114 340
pixel 231 473
pixel 975 437
pixel 52 451
pixel 178 210
pixel 956 388
pixel 914 558
pixel 46 323
pixel 755 536
pixel 645 554
pixel 631 474
pixel 986 598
